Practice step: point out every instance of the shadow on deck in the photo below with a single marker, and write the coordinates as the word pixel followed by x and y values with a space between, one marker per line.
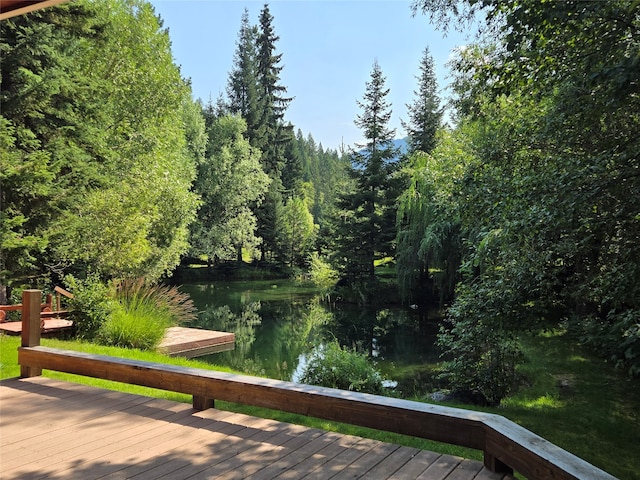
pixel 53 429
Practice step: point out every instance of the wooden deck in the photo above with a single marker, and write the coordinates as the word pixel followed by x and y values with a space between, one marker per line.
pixel 51 326
pixel 195 342
pixel 53 429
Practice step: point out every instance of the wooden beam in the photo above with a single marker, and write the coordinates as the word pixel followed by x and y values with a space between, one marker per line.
pixel 12 8
pixel 444 424
pixel 504 443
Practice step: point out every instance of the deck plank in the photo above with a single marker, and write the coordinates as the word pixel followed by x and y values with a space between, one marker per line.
pixel 59 430
pixel 194 342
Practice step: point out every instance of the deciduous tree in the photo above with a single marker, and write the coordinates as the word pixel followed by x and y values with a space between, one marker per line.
pixel 229 182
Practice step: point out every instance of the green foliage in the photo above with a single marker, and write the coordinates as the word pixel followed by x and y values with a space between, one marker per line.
pixel 295 233
pixel 617 338
pixel 335 367
pixel 429 243
pixel 141 313
pixel 230 181
pixel 483 360
pixel 425 114
pixel 546 203
pixel 368 209
pixel 91 305
pixel 322 274
pixel 101 140
pixel 242 86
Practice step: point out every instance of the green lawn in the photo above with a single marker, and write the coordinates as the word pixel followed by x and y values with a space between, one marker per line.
pixel 573 400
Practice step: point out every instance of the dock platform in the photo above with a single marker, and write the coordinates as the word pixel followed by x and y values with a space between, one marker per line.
pixel 195 342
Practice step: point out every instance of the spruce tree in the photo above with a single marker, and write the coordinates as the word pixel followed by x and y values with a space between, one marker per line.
pixel 273 133
pixel 368 217
pixel 242 86
pixel 292 170
pixel 425 114
pixel 273 103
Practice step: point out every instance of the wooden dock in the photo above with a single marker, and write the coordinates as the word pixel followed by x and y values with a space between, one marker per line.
pixel 195 342
pixel 55 429
pixel 50 326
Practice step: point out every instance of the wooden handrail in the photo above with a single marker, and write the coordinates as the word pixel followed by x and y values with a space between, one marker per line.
pixel 48 309
pixel 506 445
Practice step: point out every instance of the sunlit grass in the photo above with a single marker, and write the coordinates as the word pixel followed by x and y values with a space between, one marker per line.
pixel 577 358
pixel 542 402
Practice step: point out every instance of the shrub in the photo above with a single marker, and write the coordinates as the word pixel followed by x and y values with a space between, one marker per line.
pixel 142 313
pixel 483 360
pixel 91 306
pixel 332 366
pixel 616 337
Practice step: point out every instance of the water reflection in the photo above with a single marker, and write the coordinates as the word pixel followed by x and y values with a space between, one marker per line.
pixel 277 324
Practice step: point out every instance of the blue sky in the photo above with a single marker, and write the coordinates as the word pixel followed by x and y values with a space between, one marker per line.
pixel 328 49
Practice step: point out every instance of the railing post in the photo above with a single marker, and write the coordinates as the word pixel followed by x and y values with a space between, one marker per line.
pixel 31 300
pixel 495 465
pixel 202 403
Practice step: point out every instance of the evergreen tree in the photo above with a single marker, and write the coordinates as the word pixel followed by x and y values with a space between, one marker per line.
pixel 425 114
pixel 273 103
pixel 273 134
pixel 242 86
pixel 292 171
pixel 368 226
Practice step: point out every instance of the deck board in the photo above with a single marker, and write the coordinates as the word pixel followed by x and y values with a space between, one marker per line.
pixel 54 429
pixel 195 342
pixel 51 326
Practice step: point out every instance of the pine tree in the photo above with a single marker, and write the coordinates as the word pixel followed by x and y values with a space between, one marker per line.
pixel 425 114
pixel 242 86
pixel 368 226
pixel 273 133
pixel 273 103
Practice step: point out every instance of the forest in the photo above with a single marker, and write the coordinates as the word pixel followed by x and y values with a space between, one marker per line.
pixel 522 215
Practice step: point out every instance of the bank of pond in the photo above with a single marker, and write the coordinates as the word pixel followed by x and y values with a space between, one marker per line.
pixel 278 324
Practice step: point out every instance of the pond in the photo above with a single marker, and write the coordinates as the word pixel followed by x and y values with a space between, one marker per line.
pixel 277 324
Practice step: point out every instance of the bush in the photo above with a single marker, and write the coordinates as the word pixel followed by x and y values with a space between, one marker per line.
pixel 483 360
pixel 91 305
pixel 616 337
pixel 142 313
pixel 332 366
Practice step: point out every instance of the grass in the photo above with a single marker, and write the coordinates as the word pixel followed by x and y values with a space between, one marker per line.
pixel 581 404
pixel 573 400
pixel 578 402
pixel 142 313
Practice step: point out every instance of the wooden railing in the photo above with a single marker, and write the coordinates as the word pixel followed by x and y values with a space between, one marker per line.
pixel 52 306
pixel 507 446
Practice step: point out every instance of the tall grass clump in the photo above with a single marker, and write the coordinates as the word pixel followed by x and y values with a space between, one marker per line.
pixel 335 367
pixel 141 313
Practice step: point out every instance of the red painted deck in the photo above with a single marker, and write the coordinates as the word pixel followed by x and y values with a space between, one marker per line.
pixel 60 430
pixel 51 326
